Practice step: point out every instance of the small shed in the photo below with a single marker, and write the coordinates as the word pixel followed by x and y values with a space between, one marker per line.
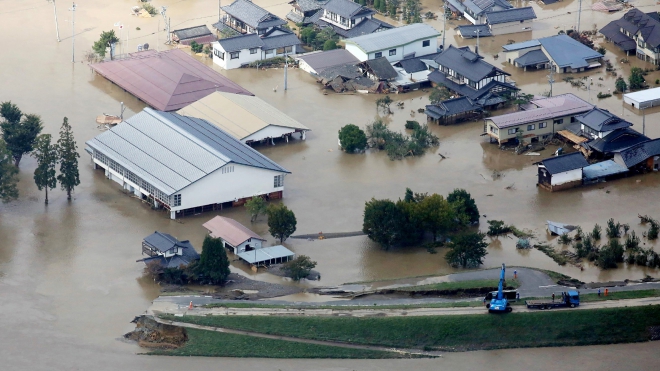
pixel 561 172
pixel 199 34
pixel 234 235
pixel 315 62
pixel 379 69
pixel 643 99
pixel 267 255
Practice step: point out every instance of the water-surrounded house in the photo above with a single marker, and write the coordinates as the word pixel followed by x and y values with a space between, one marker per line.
pixel 317 61
pixel 247 17
pixel 182 164
pixel 475 10
pixel 235 236
pixel 636 32
pixel 395 44
pixel 500 22
pixel 199 34
pixel 561 172
pixel 453 111
pixel 643 99
pixel 640 158
pixel 562 52
pixel 167 252
pixel 237 51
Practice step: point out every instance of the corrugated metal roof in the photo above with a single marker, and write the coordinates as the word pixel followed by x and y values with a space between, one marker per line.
pixel 330 58
pixel 192 32
pixel 237 116
pixel 568 52
pixel 171 151
pixel 548 108
pixel 265 254
pixel 510 15
pixel 602 169
pixel 393 37
pixel 167 80
pixel 230 230
pixel 521 45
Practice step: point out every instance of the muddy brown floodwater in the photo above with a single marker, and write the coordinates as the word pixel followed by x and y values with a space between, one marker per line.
pixel 69 283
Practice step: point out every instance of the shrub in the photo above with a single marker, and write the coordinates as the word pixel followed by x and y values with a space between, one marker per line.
pixel 299 267
pixel 329 45
pixel 565 239
pixel 497 227
pixel 150 9
pixel 613 230
pixel 352 138
pixel 632 241
pixel 653 231
pixel 412 125
pixel 596 232
pixel 196 48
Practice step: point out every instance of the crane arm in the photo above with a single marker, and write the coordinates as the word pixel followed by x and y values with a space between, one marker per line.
pixel 500 286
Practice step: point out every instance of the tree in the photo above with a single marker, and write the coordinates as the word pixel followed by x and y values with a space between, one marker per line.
pixel 382 221
pixel 636 78
pixel 281 221
pixel 67 150
pixel 352 138
pixel 46 154
pixel 436 215
pixel 195 47
pixel 8 178
pixel 439 94
pixel 464 204
pixel 522 99
pixel 467 250
pixel 255 206
pixel 620 84
pixel 384 103
pixel 19 134
pixel 299 267
pixel 213 265
pixel 330 45
pixel 107 38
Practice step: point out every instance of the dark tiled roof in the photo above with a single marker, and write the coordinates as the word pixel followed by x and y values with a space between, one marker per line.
pixel 618 140
pixel 568 52
pixel 322 60
pixel 602 120
pixel 638 153
pixel 348 71
pixel 252 14
pixel 280 41
pixel 412 65
pixel 192 32
pixel 366 26
pixel 308 5
pixel 483 96
pixel 466 63
pixel 295 17
pixel 612 32
pixel 452 107
pixel 164 242
pixel 532 58
pixel 187 256
pixel 633 21
pixel 470 31
pixel 510 15
pixel 237 43
pixel 347 8
pixel 563 163
pixel 381 67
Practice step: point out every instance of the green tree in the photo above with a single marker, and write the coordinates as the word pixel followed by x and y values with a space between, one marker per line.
pixel 467 250
pixel 620 84
pixel 636 78
pixel 329 45
pixel 382 221
pixel 46 154
pixel 281 221
pixel 352 138
pixel 107 38
pixel 464 204
pixel 596 232
pixel 213 265
pixel 383 6
pixel 410 230
pixel 299 267
pixel 436 215
pixel 195 47
pixel 308 35
pixel 384 103
pixel 255 206
pixel 8 178
pixel 439 94
pixel 377 4
pixel 68 153
pixel 18 131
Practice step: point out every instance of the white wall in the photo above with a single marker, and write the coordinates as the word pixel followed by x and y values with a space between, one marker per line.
pixel 244 57
pixel 512 55
pixel 357 52
pixel 244 181
pixel 565 177
pixel 270 131
pixel 253 242
pixel 511 27
pixel 414 47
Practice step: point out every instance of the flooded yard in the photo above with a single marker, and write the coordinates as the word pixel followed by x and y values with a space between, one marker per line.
pixel 68 276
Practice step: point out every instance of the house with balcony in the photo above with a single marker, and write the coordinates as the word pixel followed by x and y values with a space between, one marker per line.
pixel 346 18
pixel 636 32
pixel 246 17
pixel 241 50
pixel 562 53
pixel 475 10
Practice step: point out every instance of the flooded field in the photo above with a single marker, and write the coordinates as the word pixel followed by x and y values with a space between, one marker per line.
pixel 68 276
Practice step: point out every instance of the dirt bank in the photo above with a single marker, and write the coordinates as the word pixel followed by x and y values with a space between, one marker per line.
pixel 151 334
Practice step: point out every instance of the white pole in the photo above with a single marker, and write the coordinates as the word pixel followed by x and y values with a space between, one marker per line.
pixel 219 8
pixel 444 24
pixel 73 33
pixel 579 13
pixel 286 65
pixel 57 28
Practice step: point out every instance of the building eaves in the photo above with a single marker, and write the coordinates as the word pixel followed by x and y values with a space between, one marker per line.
pixel 192 32
pixel 521 45
pixel 470 31
pixel 345 8
pixel 618 140
pixel 548 108
pixel 466 63
pixel 393 37
pixel 612 31
pixel 602 120
pixel 381 67
pixel 252 14
pixel 636 154
pixel 242 42
pixel 510 15
pixel 531 58
pixel 564 163
pixel 280 41
pixel 567 52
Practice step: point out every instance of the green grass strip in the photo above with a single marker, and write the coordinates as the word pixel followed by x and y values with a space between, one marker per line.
pixel 459 285
pixel 467 332
pixel 204 343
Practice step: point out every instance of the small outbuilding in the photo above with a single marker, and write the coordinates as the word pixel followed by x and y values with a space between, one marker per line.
pixel 561 172
pixel 643 99
pixel 199 34
pixel 168 252
pixel 267 255
pixel 641 158
pixel 234 235
pixel 453 111
pixel 317 61
pixel 603 171
pixel 378 69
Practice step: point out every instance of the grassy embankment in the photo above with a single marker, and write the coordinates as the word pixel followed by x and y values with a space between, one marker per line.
pixel 468 332
pixel 488 285
pixel 217 344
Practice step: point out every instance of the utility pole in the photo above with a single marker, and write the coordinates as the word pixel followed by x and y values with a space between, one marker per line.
pixel 163 10
pixel 590 83
pixel 286 66
pixel 57 28
pixel 73 33
pixel 551 79
pixel 579 13
pixel 219 9
pixel 444 24
pixel 476 50
pixel 643 122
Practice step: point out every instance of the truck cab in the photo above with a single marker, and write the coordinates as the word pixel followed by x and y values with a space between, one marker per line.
pixel 572 298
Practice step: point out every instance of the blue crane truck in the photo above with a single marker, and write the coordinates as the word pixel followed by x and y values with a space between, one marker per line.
pixel 568 299
pixel 499 303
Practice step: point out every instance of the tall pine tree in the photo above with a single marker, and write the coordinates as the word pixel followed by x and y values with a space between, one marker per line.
pixel 46 154
pixel 8 178
pixel 213 264
pixel 67 149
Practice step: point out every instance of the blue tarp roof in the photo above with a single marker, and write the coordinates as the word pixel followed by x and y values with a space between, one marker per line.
pixel 602 169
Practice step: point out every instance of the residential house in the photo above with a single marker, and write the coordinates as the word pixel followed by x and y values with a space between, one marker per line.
pixel 167 252
pixel 199 34
pixel 637 32
pixel 453 111
pixel 304 11
pixel 539 120
pixel 183 164
pixel 642 99
pixel 414 72
pixel 562 53
pixel 235 236
pixel 238 51
pixel 599 123
pixel 640 158
pixel 395 44
pixel 378 69
pixel 466 73
pixel 475 10
pixel 250 120
pixel 617 140
pixel 317 61
pixel 246 17
pixel 500 22
pixel 561 172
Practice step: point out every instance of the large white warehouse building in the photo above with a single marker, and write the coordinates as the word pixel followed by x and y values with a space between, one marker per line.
pixel 184 164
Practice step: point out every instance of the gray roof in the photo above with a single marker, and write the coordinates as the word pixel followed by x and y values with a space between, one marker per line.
pixel 192 32
pixel 347 8
pixel 308 5
pixel 466 63
pixel 393 37
pixel 321 60
pixel 364 27
pixel 564 163
pixel 480 6
pixel 452 107
pixel 171 151
pixel 638 153
pixel 416 64
pixel 531 58
pixel 633 21
pixel 164 242
pixel 252 14
pixel 380 67
pixel 602 120
pixel 237 43
pixel 510 15
pixel 568 52
pixel 348 71
pixel 265 254
pixel 521 45
pixel 613 32
pixel 280 41
pixel 618 140
pixel 602 169
pixel 543 109
pixel 470 31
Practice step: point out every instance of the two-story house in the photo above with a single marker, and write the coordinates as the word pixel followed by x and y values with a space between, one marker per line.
pixel 607 133
pixel 346 18
pixel 475 10
pixel 636 32
pixel 562 53
pixel 246 17
pixel 395 44
pixel 167 252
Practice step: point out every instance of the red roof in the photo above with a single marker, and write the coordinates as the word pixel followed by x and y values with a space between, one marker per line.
pixel 168 80
pixel 230 230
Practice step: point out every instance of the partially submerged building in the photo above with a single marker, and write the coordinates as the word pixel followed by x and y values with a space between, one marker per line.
pixel 378 69
pixel 395 44
pixel 561 172
pixel 562 52
pixel 453 111
pixel 317 61
pixel 167 80
pixel 167 252
pixel 636 32
pixel 475 10
pixel 238 51
pixel 500 22
pixel 640 158
pixel 643 99
pixel 247 118
pixel 182 164
pixel 199 34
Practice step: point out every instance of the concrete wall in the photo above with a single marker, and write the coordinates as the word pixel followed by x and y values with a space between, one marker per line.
pixel 511 27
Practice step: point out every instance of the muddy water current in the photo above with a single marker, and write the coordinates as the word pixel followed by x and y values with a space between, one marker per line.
pixel 69 282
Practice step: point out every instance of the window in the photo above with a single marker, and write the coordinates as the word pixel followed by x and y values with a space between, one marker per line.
pixel 493 129
pixel 269 52
pixel 513 131
pixel 219 54
pixel 392 52
pixel 531 127
pixel 558 122
pixel 288 49
pixel 254 50
pixel 177 200
pixel 279 181
pixel 234 55
pixel 426 43
pixel 378 55
pixel 573 119
pixel 227 169
pixel 543 125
